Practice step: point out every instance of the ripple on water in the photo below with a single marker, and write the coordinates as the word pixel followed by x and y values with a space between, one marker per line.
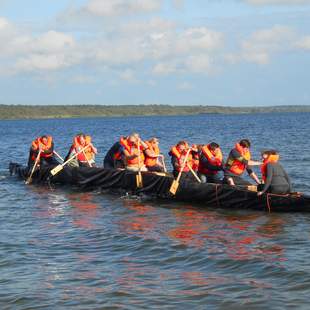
pixel 65 249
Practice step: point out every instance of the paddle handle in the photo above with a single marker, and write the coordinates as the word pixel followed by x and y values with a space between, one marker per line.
pixel 164 164
pixel 183 165
pixel 89 164
pixel 194 174
pixel 58 156
pixel 34 166
pixel 75 155
pixel 139 157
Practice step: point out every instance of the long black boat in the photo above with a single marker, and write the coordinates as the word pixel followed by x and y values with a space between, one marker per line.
pixel 156 185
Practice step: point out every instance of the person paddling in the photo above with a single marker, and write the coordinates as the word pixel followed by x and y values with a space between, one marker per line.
pixel 211 163
pixel 178 154
pixel 45 146
pixel 275 178
pixel 239 161
pixel 133 153
pixel 85 158
pixel 152 156
pixel 114 159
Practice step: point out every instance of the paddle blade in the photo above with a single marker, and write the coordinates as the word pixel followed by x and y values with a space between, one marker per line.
pixel 252 188
pixel 139 180
pixel 174 187
pixel 28 181
pixel 56 170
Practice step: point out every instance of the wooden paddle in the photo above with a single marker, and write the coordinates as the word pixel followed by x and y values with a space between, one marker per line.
pixel 29 179
pixel 163 161
pixel 139 175
pixel 194 174
pixel 88 162
pixel 58 156
pixel 58 168
pixel 175 184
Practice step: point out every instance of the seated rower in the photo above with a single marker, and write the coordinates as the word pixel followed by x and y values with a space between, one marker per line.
pixel 86 157
pixel 210 163
pixel 44 144
pixel 178 154
pixel 113 158
pixel 134 154
pixel 275 178
pixel 152 156
pixel 238 161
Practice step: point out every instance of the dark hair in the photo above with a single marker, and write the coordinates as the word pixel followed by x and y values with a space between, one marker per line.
pixel 245 143
pixel 81 134
pixel 182 142
pixel 213 146
pixel 44 137
pixel 270 152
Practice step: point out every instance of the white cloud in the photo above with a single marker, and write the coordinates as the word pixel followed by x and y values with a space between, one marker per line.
pixel 303 43
pixel 111 8
pixel 263 44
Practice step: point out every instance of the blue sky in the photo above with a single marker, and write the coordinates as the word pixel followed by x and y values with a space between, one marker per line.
pixel 187 52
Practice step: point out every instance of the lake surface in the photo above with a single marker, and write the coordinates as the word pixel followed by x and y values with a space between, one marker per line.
pixel 65 249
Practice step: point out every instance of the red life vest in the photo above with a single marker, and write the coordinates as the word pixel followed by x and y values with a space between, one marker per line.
pixel 180 157
pixel 151 161
pixel 274 158
pixel 235 166
pixel 214 157
pixel 87 154
pixel 47 148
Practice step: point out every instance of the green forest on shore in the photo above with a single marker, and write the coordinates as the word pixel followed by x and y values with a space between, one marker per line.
pixel 76 111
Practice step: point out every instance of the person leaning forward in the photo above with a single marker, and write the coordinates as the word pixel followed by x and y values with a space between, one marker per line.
pixel 82 145
pixel 210 163
pixel 239 160
pixel 275 178
pixel 113 159
pixel 45 146
pixel 152 156
pixel 134 153
pixel 178 154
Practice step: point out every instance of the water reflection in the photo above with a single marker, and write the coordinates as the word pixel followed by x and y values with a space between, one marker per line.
pixel 141 220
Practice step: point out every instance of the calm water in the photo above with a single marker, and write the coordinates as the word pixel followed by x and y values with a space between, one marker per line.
pixel 64 249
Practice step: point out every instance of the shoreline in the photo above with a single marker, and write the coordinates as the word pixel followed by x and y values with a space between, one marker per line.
pixel 18 112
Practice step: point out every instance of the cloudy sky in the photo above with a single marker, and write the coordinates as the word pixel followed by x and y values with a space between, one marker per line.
pixel 209 52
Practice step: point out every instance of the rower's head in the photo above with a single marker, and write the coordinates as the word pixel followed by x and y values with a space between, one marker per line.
pixel 269 153
pixel 44 140
pixel 133 138
pixel 154 141
pixel 82 138
pixel 214 146
pixel 245 143
pixel 182 146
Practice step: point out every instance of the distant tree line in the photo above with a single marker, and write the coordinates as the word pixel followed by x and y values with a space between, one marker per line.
pixel 76 111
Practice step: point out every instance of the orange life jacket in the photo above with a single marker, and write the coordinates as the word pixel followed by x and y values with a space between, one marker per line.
pixel 87 154
pixel 214 157
pixel 151 161
pixel 123 142
pixel 133 150
pixel 38 144
pixel 271 159
pixel 180 157
pixel 235 166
